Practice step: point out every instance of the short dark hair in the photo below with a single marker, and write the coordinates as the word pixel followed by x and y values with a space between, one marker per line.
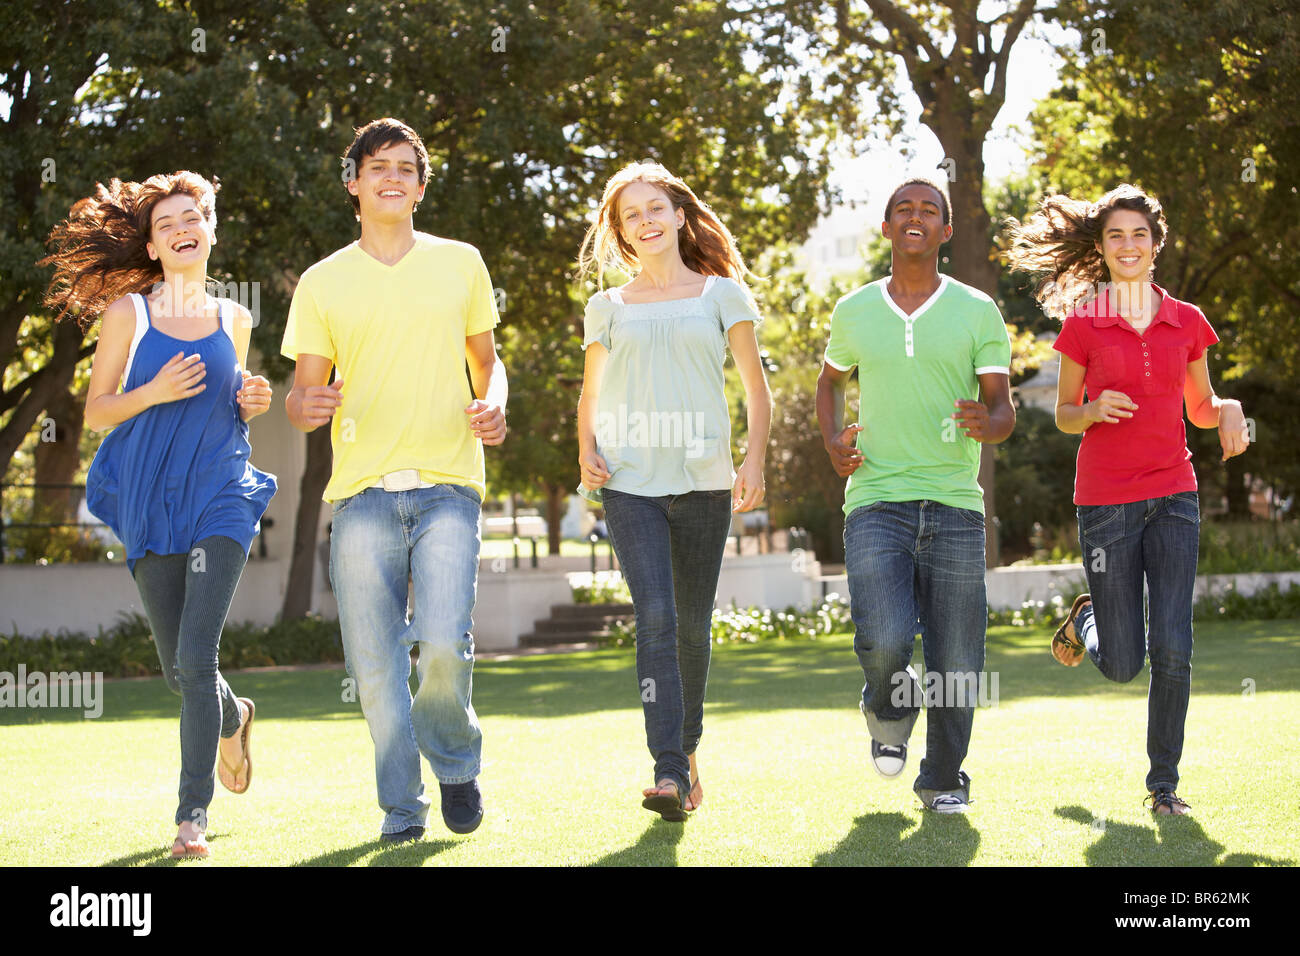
pixel 920 181
pixel 380 134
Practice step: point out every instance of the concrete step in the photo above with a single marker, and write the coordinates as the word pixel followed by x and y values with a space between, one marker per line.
pixel 551 638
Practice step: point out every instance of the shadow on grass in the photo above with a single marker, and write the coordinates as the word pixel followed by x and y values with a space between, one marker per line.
pixel 942 839
pixel 386 854
pixel 656 847
pixel 160 856
pixel 1175 841
pixel 812 675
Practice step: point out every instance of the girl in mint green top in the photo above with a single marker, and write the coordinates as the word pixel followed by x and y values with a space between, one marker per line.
pixel 654 440
pixel 662 423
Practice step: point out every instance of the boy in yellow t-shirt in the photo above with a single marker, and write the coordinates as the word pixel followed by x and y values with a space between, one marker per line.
pixel 395 312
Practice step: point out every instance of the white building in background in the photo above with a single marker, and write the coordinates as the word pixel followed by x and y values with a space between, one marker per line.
pixel 836 245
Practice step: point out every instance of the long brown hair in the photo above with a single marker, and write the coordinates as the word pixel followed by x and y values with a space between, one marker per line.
pixel 1058 243
pixel 100 250
pixel 705 244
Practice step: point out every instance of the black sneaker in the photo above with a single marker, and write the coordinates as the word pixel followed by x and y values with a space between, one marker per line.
pixel 948 801
pixel 409 835
pixel 462 806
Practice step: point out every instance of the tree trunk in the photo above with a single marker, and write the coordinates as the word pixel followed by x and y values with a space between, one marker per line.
pixel 57 460
pixel 302 566
pixel 58 376
pixel 555 494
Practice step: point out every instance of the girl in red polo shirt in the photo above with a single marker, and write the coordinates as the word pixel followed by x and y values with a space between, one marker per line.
pixel 1139 353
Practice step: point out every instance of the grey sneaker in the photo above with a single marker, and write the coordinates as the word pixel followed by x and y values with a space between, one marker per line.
pixel 948 801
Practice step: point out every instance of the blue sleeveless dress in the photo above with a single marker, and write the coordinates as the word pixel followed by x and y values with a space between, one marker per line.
pixel 179 472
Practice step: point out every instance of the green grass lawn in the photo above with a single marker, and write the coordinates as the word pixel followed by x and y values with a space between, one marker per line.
pixel 1057 768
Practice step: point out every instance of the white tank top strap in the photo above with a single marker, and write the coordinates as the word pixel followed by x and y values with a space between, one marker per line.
pixel 226 309
pixel 141 327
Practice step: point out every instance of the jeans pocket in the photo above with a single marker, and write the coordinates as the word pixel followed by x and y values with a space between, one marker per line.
pixel 1100 525
pixel 464 491
pixel 340 505
pixel 1185 505
pixel 970 517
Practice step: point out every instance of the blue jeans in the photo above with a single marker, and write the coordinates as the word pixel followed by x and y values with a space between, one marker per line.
pixel 186 597
pixel 379 540
pixel 1156 539
pixel 918 566
pixel 670 549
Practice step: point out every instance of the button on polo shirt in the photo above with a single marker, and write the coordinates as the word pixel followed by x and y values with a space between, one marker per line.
pixel 1144 456
pixel 911 371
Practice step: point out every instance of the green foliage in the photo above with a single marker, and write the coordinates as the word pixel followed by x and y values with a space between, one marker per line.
pixel 1183 100
pixel 1035 480
pixel 127 648
pixel 1268 604
pixel 608 587
pixel 750 625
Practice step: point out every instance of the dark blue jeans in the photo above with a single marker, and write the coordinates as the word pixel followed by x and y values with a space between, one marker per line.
pixel 918 566
pixel 1156 539
pixel 670 549
pixel 186 597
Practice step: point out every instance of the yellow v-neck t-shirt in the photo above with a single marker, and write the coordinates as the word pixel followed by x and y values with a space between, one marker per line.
pixel 397 335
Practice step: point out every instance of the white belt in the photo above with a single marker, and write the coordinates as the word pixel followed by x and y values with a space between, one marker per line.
pixel 404 480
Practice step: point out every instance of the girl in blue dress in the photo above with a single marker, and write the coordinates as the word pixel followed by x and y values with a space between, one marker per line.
pixel 173 478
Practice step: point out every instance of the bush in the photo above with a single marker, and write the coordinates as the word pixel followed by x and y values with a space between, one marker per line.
pixel 606 587
pixel 127 649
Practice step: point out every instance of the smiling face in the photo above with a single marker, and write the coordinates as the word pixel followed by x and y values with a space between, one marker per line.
pixel 1127 245
pixel 915 225
pixel 387 184
pixel 179 235
pixel 647 221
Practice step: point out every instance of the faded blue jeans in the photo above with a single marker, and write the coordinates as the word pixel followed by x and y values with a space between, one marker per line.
pixel 187 597
pixel 670 549
pixel 917 566
pixel 1156 539
pixel 379 538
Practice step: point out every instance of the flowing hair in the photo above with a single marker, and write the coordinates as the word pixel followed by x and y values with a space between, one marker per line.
pixel 705 244
pixel 99 252
pixel 1058 244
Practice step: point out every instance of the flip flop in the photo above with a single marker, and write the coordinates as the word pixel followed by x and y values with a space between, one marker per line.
pixel 1067 651
pixel 247 761
pixel 668 807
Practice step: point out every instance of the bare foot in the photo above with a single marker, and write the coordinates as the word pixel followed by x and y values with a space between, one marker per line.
pixel 190 841
pixel 696 796
pixel 664 787
pixel 232 768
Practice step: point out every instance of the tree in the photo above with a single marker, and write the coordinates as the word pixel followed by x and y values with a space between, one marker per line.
pixel 523 118
pixel 956 63
pixel 1183 100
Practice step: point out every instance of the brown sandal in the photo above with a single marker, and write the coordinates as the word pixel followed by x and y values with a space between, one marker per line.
pixel 1066 648
pixel 245 736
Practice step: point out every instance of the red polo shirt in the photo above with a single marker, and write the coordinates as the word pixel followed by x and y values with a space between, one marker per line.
pixel 1144 456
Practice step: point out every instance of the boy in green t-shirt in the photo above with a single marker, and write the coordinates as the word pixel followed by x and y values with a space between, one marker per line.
pixel 401 313
pixel 933 358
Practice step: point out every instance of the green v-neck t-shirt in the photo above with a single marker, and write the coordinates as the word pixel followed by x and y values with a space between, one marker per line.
pixel 911 371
